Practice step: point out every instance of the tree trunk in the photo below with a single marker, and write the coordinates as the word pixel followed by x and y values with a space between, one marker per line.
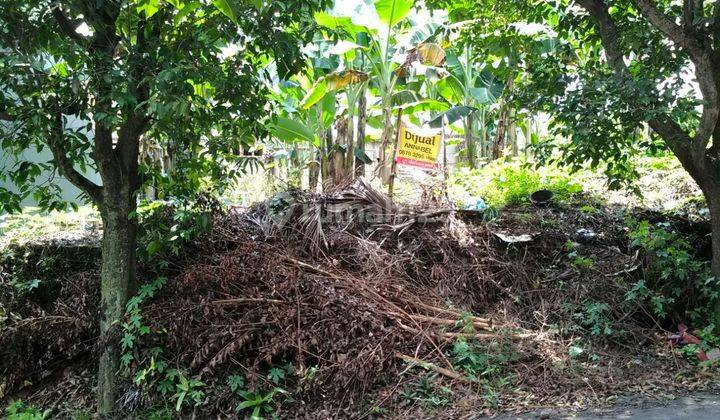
pixel 338 163
pixel 498 146
pixel 512 135
pixel 505 123
pixel 295 168
pixel 470 145
pixel 339 153
pixel 360 142
pixel 314 171
pixel 349 169
pixel 117 282
pixel 483 147
pixel 329 172
pixel 386 147
pixel 714 207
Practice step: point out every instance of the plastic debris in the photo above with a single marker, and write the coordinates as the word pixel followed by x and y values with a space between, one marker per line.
pixel 475 204
pixel 514 239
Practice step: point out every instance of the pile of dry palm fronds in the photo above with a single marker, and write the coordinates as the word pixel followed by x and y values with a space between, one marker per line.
pixel 353 291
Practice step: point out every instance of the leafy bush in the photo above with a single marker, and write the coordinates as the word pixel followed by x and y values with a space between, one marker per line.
pixel 674 281
pixel 427 393
pixel 168 224
pixel 591 316
pixel 18 410
pixel 511 183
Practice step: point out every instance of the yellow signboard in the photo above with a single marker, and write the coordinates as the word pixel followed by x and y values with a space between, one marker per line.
pixel 418 149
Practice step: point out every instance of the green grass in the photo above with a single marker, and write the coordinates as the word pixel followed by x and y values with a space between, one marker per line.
pixel 33 223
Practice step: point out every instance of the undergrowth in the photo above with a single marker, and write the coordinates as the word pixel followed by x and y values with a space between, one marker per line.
pixel 511 183
pixel 675 284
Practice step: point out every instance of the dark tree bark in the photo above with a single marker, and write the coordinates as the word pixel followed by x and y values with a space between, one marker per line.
pixel 116 285
pixel 338 157
pixel 348 162
pixel 384 164
pixel 117 164
pixel 498 146
pixel 714 207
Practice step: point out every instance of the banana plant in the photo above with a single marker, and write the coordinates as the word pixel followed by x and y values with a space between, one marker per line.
pixel 376 41
pixel 471 90
pixel 296 123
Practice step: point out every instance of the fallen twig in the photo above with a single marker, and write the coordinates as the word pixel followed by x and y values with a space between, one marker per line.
pixel 239 301
pixel 427 365
pixel 452 312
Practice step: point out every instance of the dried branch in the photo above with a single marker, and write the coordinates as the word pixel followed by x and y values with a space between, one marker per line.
pixel 427 365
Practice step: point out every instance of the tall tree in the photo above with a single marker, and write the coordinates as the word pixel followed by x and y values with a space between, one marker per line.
pixel 126 69
pixel 639 61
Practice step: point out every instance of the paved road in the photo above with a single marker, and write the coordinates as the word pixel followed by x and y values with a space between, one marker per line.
pixel 696 407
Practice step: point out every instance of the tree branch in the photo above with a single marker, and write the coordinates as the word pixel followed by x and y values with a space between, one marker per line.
pixel 136 122
pixel 676 138
pixel 609 36
pixel 702 56
pixel 66 25
pixel 688 14
pixel 4 116
pixel 65 165
pixel 672 30
pixel 715 30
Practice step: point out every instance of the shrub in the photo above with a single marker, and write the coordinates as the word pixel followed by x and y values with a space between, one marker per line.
pixel 674 281
pixel 166 225
pixel 511 183
pixel 18 410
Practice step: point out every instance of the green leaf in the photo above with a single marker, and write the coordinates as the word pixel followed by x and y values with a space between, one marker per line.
pixel 185 11
pixel 404 97
pixel 315 94
pixel 487 89
pixel 290 130
pixel 127 341
pixel 336 23
pixel 148 7
pixel 181 397
pixel 328 110
pixel 362 156
pixel 424 106
pixel 226 9
pixel 450 89
pixel 453 114
pixel 247 404
pixel 391 12
pixel 236 382
pixel 276 375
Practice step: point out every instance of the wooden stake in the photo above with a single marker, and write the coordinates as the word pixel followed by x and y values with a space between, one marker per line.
pixel 393 164
pixel 445 165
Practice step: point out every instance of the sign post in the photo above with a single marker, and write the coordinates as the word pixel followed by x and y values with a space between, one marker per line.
pixel 415 148
pixel 419 149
